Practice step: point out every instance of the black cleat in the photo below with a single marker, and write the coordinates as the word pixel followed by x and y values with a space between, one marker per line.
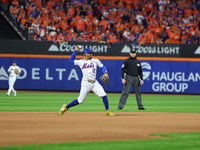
pixel 119 108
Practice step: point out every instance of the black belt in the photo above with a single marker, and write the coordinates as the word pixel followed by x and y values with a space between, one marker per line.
pixel 133 75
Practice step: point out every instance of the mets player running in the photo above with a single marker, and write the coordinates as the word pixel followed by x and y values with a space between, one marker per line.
pixel 12 78
pixel 88 65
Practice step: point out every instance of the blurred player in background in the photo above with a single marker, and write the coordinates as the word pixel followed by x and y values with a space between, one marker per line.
pixel 88 66
pixel 13 70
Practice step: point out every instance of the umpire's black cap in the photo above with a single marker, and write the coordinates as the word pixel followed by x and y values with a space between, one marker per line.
pixel 133 50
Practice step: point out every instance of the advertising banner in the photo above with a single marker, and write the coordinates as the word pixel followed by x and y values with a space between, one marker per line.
pixel 100 49
pixel 171 77
pixel 190 50
pixel 148 50
pixel 160 76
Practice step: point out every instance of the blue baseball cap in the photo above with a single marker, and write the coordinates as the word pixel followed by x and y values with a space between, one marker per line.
pixel 14 61
pixel 88 50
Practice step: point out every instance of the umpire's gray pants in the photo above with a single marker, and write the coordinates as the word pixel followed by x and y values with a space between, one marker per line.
pixel 134 82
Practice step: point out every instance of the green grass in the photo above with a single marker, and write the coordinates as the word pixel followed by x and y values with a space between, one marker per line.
pixel 29 101
pixel 176 141
pixel 33 101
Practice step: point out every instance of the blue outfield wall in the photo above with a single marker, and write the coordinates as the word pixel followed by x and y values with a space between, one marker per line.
pixel 180 77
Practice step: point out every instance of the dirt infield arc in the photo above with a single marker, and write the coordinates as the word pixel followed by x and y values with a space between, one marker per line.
pixel 39 127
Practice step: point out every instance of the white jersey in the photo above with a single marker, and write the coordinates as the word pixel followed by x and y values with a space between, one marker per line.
pixel 88 67
pixel 11 69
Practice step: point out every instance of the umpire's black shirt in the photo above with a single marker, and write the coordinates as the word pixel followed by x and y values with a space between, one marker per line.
pixel 132 67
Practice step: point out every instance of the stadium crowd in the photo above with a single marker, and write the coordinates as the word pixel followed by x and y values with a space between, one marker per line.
pixel 108 21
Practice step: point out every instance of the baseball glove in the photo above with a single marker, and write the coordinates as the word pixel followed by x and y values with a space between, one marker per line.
pixel 16 71
pixel 105 78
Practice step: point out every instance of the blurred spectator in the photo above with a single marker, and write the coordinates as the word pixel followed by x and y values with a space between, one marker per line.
pixel 81 25
pixel 104 25
pixel 164 35
pixel 138 21
pixel 113 38
pixel 126 34
pixel 139 18
pixel 126 16
pixel 162 5
pixel 141 39
pixel 149 37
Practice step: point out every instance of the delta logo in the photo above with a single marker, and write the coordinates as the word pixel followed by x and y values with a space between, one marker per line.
pixel 3 74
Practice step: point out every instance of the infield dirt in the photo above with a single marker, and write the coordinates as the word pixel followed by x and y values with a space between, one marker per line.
pixel 39 127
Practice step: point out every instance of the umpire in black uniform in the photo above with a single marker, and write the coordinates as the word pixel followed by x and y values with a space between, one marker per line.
pixel 132 76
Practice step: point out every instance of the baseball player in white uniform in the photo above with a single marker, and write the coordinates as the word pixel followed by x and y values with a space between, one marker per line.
pixel 88 65
pixel 12 78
